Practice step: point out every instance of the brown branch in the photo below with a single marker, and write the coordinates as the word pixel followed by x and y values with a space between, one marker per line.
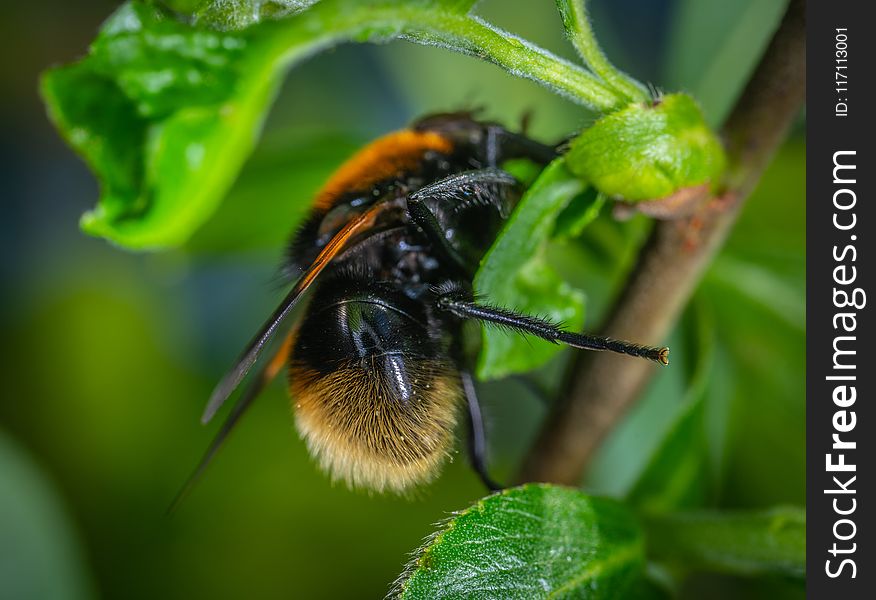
pixel 602 386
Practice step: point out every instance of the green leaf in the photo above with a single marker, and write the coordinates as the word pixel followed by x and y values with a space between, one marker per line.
pixel 272 195
pixel 165 114
pixel 645 588
pixel 757 285
pixel 514 274
pixel 646 152
pixel 676 475
pixel 744 543
pixel 240 14
pixel 581 212
pixel 166 111
pixel 534 541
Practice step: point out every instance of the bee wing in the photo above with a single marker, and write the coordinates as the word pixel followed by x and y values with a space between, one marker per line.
pixel 246 360
pixel 265 376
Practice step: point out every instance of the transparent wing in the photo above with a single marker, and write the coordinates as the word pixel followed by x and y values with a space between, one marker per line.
pixel 249 356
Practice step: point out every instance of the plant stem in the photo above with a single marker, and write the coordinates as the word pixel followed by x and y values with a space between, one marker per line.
pixel 602 386
pixel 475 37
pixel 580 32
pixel 341 21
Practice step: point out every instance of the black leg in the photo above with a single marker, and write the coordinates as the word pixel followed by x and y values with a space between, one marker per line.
pixel 472 188
pixel 491 150
pixel 501 144
pixel 477 439
pixel 426 220
pixel 459 303
pixel 481 187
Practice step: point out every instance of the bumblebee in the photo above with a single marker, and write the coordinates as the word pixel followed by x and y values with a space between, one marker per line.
pixel 376 366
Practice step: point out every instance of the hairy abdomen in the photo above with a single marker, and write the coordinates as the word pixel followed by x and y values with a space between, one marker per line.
pixel 382 424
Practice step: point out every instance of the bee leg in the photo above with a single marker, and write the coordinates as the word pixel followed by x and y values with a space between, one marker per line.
pixel 477 439
pixel 459 303
pixel 501 144
pixel 484 186
pixel 426 220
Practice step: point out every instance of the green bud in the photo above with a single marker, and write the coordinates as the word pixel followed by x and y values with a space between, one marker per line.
pixel 646 152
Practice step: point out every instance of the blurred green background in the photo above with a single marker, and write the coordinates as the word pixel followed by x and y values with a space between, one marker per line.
pixel 109 356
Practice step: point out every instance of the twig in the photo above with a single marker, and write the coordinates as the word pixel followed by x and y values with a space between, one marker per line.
pixel 602 386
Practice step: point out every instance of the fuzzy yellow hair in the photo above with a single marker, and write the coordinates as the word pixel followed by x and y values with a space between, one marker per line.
pixel 361 431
